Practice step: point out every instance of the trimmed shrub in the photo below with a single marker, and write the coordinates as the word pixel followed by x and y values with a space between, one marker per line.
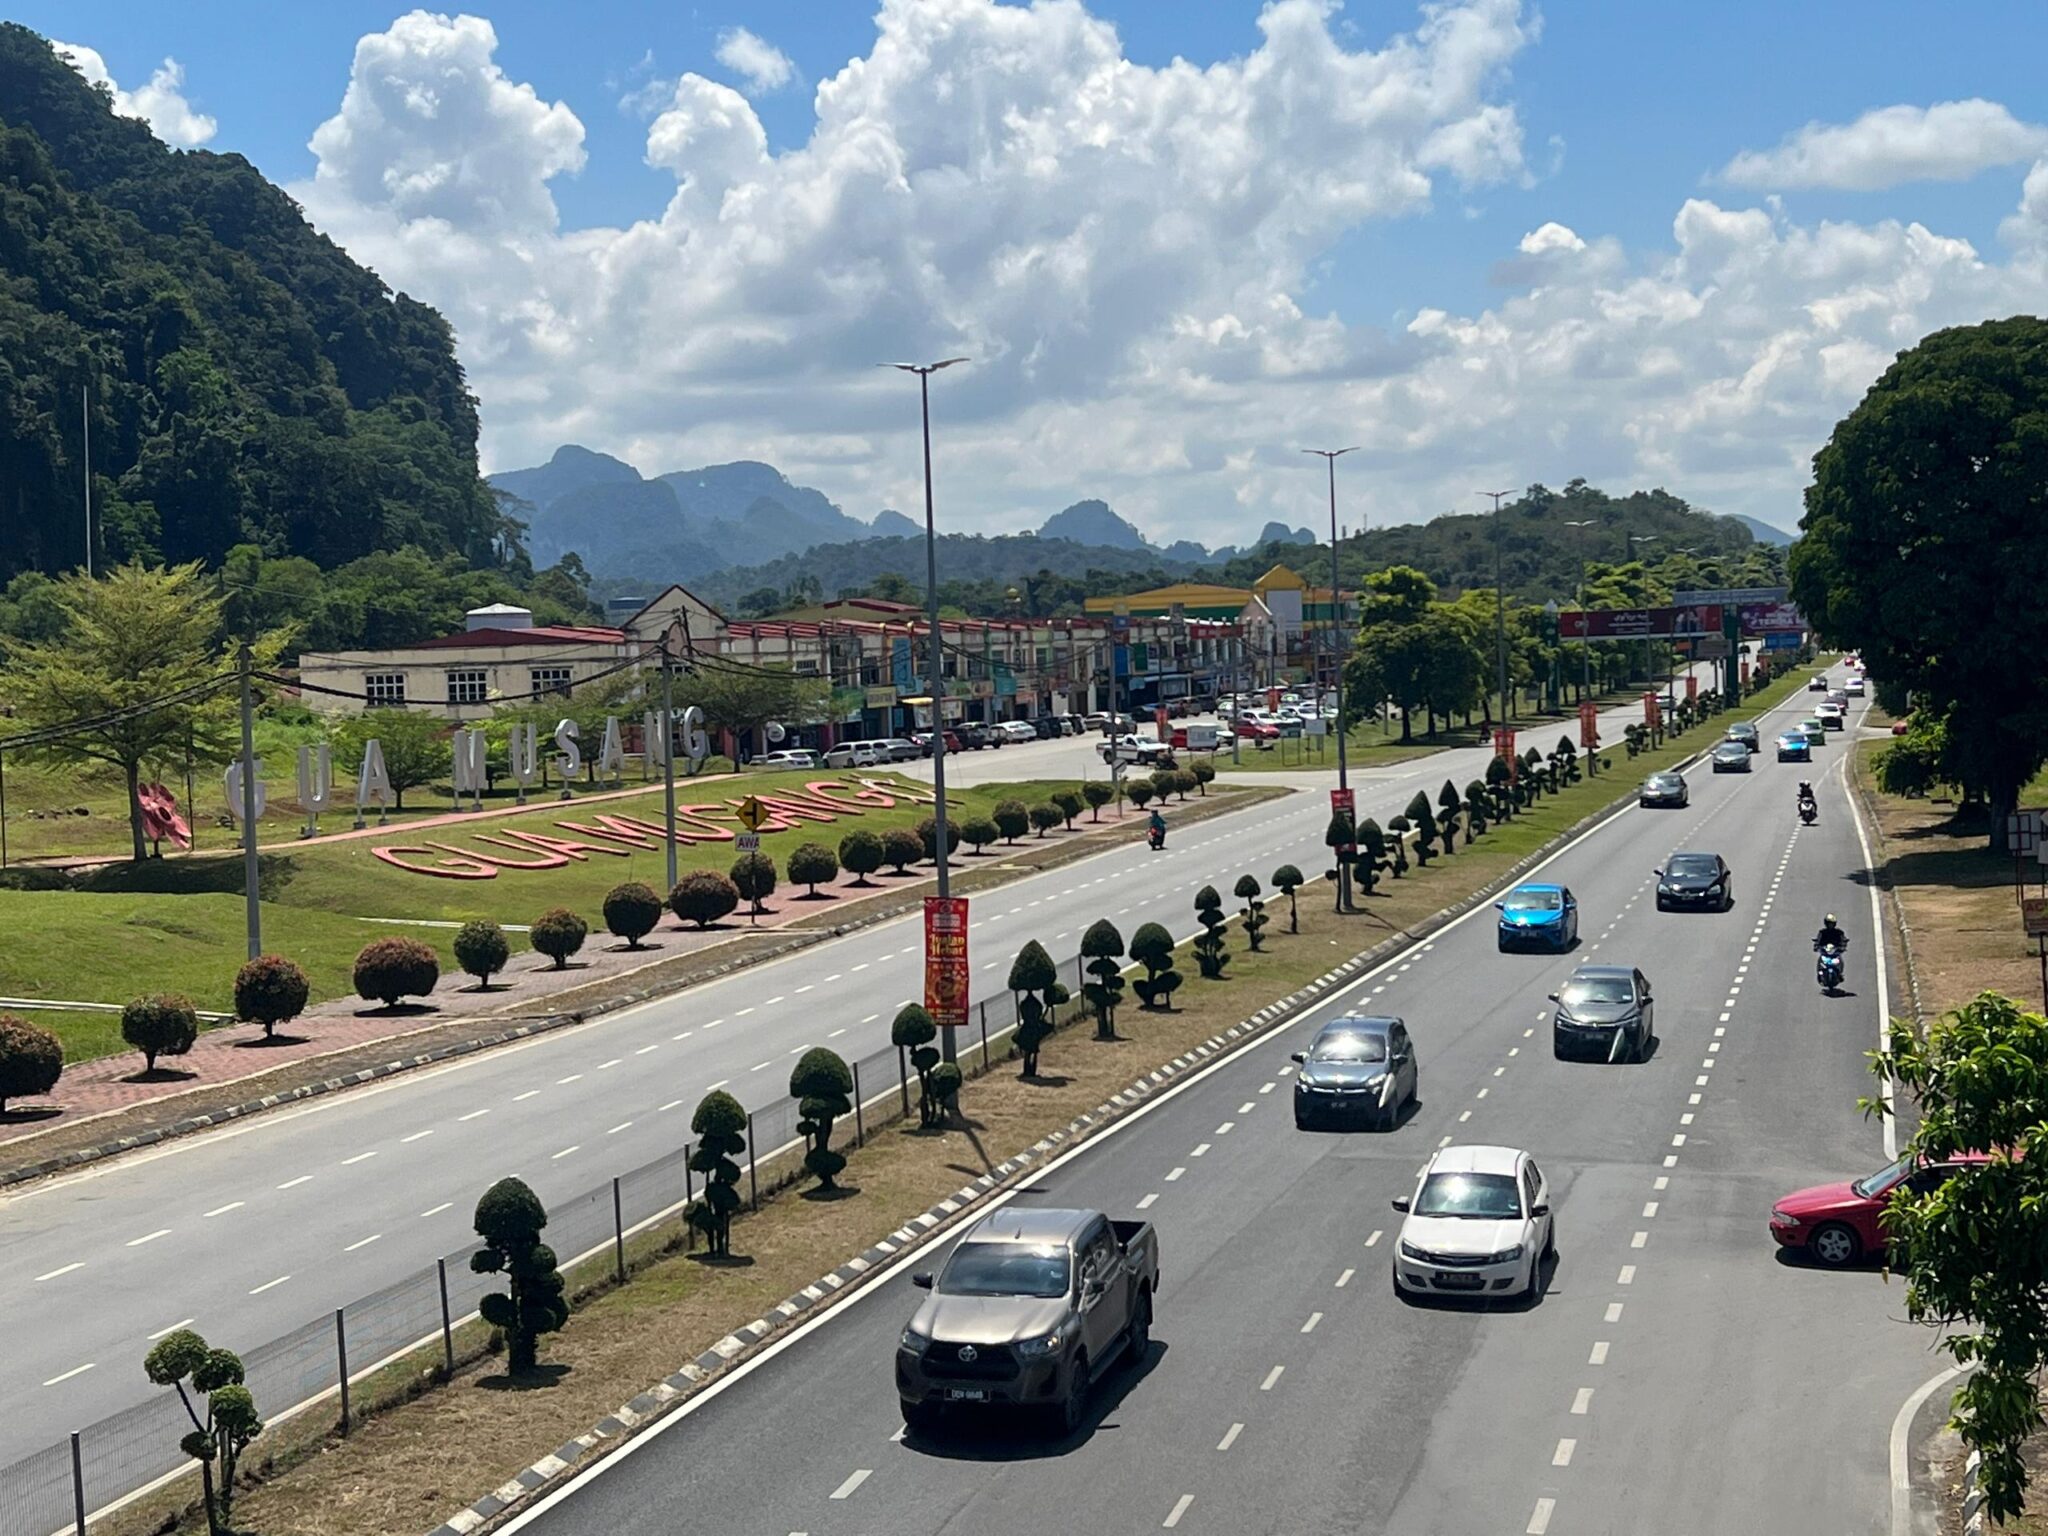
pixel 1012 819
pixel 979 833
pixel 1184 781
pixel 631 910
pixel 229 1423
pixel 388 969
pixel 901 848
pixel 946 1082
pixel 1287 880
pixel 912 1030
pixel 1397 845
pixel 1372 855
pixel 1423 820
pixel 1103 946
pixel 928 838
pixel 1097 793
pixel 1044 818
pixel 1478 807
pixel 162 1024
pixel 509 1219
pixel 558 933
pixel 1205 775
pixel 702 897
pixel 753 876
pixel 1036 980
pixel 823 1087
pixel 812 864
pixel 31 1059
pixel 1448 806
pixel 720 1126
pixel 1211 955
pixel 270 990
pixel 1139 790
pixel 1152 947
pixel 1247 890
pixel 1070 805
pixel 860 855
pixel 481 950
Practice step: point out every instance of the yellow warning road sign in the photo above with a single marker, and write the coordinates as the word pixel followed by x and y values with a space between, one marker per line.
pixel 752 813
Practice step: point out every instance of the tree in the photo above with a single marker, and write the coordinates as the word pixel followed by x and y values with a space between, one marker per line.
pixel 742 698
pixel 1139 790
pixel 753 876
pixel 1211 956
pixel 1423 820
pixel 1500 781
pixel 481 950
pixel 631 909
pixel 1098 793
pixel 720 1126
pixel 811 865
pixel 271 990
pixel 703 896
pixel 912 1030
pixel 416 747
pixel 31 1060
pixel 509 1218
pixel 823 1088
pixel 1924 516
pixel 1448 807
pixel 1247 890
pixel 1287 880
pixel 860 855
pixel 219 1436
pixel 1070 805
pixel 1044 818
pixel 1036 981
pixel 162 1024
pixel 1974 1249
pixel 388 969
pixel 979 832
pixel 132 638
pixel 1205 774
pixel 558 933
pixel 1102 946
pixel 928 837
pixel 1152 947
pixel 1914 763
pixel 1012 817
pixel 901 848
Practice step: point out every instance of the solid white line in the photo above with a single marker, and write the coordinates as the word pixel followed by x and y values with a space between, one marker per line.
pixel 1562 1456
pixel 1582 1400
pixel 53 1274
pixel 415 1136
pixel 183 1322
pixel 74 1371
pixel 1179 1509
pixel 1230 1437
pixel 1889 1088
pixel 1540 1521
pixel 352 1247
pixel 845 1489
pixel 1146 1203
pixel 1271 1376
pixel 222 1210
pixel 266 1285
pixel 304 1178
pixel 137 1242
pixel 1901 1449
pixel 437 1210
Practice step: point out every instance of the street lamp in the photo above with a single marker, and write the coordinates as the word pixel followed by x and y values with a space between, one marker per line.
pixel 1500 606
pixel 1585 639
pixel 948 1046
pixel 1330 456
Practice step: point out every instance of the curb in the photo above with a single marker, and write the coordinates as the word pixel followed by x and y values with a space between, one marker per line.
pixel 630 1417
pixel 1889 889
pixel 1973 1496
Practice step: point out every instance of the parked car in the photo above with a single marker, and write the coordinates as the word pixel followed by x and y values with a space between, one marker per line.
pixel 1479 1223
pixel 1695 880
pixel 1664 789
pixel 1356 1068
pixel 1017 730
pixel 1142 750
pixel 1095 720
pixel 1538 914
pixel 1746 733
pixel 854 754
pixel 1031 1310
pixel 973 735
pixel 1838 1224
pixel 923 740
pixel 1731 757
pixel 1258 732
pixel 1605 1012
pixel 897 749
pixel 1045 727
pixel 790 757
pixel 1900 727
pixel 1793 747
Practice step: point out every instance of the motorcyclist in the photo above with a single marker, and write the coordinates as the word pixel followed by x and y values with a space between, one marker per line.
pixel 1156 829
pixel 1830 935
pixel 1805 795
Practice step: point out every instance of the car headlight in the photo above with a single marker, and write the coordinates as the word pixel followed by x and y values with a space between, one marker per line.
pixel 1784 1220
pixel 1505 1256
pixel 1410 1251
pixel 1041 1348
pixel 913 1341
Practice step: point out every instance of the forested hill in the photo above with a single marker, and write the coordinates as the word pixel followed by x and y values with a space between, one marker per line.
pixel 248 382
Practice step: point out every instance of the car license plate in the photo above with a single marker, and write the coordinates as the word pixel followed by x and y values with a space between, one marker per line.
pixel 1460 1282
pixel 967 1394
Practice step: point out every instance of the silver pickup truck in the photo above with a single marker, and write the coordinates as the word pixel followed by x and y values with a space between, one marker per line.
pixel 1030 1310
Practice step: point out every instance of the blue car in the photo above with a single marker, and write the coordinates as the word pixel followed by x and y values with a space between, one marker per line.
pixel 1793 747
pixel 1543 915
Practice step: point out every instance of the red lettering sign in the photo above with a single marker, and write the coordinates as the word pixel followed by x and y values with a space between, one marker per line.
pixel 1589 725
pixel 945 960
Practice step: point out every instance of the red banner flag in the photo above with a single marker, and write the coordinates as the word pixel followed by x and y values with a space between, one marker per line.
pixel 1589 726
pixel 945 960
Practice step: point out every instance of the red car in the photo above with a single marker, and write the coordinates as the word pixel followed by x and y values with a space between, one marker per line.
pixel 1837 1224
pixel 1257 730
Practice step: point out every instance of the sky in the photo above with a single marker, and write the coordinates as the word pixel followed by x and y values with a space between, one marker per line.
pixel 1488 243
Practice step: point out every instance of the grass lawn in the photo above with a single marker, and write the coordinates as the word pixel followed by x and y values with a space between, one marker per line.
pixel 1365 747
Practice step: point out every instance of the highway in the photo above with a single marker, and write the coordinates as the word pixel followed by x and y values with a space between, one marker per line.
pixel 256 1230
pixel 1676 1374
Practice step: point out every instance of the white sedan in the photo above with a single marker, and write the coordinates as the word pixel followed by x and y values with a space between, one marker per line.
pixel 1017 730
pixel 1478 1224
pixel 792 757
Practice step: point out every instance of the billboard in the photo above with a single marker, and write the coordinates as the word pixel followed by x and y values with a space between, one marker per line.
pixel 945 960
pixel 1638 623
pixel 1771 619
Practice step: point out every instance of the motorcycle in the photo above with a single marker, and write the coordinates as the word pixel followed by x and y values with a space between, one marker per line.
pixel 1808 813
pixel 1156 838
pixel 1828 969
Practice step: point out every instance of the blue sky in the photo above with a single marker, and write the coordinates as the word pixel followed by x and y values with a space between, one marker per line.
pixel 1624 111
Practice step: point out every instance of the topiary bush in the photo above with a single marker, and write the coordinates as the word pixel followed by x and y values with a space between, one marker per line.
pixel 901 848
pixel 387 970
pixel 1036 980
pixel 1372 855
pixel 823 1087
pixel 1097 793
pixel 1184 782
pixel 946 1082
pixel 1287 880
pixel 720 1126
pixel 1012 819
pixel 31 1059
pixel 1070 805
pixel 162 1024
pixel 1205 775
pixel 860 855
pixel 979 833
pixel 1139 790
pixel 1397 846
pixel 558 933
pixel 1247 890
pixel 928 838
pixel 702 897
pixel 1044 818
pixel 753 876
pixel 1152 947
pixel 812 864
pixel 270 990
pixel 1211 955
pixel 1478 808
pixel 1102 946
pixel 1423 820
pixel 510 1218
pixel 1448 806
pixel 631 910
pixel 481 950
pixel 912 1030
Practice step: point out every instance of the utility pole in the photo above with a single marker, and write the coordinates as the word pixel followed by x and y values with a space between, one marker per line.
pixel 948 1044
pixel 1500 608
pixel 252 905
pixel 1329 456
pixel 85 420
pixel 1586 639
pixel 668 755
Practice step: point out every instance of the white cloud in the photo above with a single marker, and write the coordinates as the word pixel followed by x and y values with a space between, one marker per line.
pixel 1126 254
pixel 2027 229
pixel 161 103
pixel 1949 141
pixel 766 67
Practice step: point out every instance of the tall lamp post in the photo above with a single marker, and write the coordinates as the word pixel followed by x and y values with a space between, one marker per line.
pixel 1633 540
pixel 1330 456
pixel 948 1045
pixel 1500 606
pixel 1585 640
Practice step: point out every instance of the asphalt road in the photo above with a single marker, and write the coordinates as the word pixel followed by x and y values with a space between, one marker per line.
pixel 1676 1374
pixel 257 1230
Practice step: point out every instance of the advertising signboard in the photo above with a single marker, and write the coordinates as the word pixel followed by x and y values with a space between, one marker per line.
pixel 1344 802
pixel 1771 619
pixel 1638 623
pixel 1692 688
pixel 1727 595
pixel 1781 642
pixel 1504 749
pixel 1589 725
pixel 899 665
pixel 1651 714
pixel 945 960
pixel 2034 914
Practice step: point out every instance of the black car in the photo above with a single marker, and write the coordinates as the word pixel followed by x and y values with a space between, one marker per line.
pixel 1045 726
pixel 1664 789
pixel 1695 880
pixel 973 735
pixel 1356 1068
pixel 1731 756
pixel 1604 1012
pixel 1748 735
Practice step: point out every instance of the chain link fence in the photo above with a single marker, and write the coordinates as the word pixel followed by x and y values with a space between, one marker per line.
pixel 307 1374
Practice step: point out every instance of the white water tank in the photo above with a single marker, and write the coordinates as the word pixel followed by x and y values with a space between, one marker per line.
pixel 498 616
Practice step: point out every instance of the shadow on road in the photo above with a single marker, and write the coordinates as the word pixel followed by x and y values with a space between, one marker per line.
pixel 1019 1434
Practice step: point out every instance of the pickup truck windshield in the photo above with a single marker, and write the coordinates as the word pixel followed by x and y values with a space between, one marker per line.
pixel 1005 1269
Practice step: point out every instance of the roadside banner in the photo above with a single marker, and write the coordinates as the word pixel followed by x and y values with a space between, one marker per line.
pixel 1745 674
pixel 1504 749
pixel 1159 722
pixel 1344 802
pixel 2034 913
pixel 1692 687
pixel 1589 725
pixel 1638 623
pixel 1650 711
pixel 945 960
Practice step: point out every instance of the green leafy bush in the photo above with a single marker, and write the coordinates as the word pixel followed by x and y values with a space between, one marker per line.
pixel 558 933
pixel 702 897
pixel 753 876
pixel 1247 890
pixel 31 1059
pixel 1044 818
pixel 509 1218
pixel 822 1085
pixel 271 990
pixel 812 864
pixel 928 838
pixel 979 832
pixel 1012 819
pixel 631 910
pixel 912 1030
pixel 1211 955
pixel 1102 946
pixel 1070 805
pixel 481 949
pixel 1036 980
pixel 162 1024
pixel 1098 793
pixel 720 1126
pixel 901 848
pixel 1152 947
pixel 860 855
pixel 389 969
